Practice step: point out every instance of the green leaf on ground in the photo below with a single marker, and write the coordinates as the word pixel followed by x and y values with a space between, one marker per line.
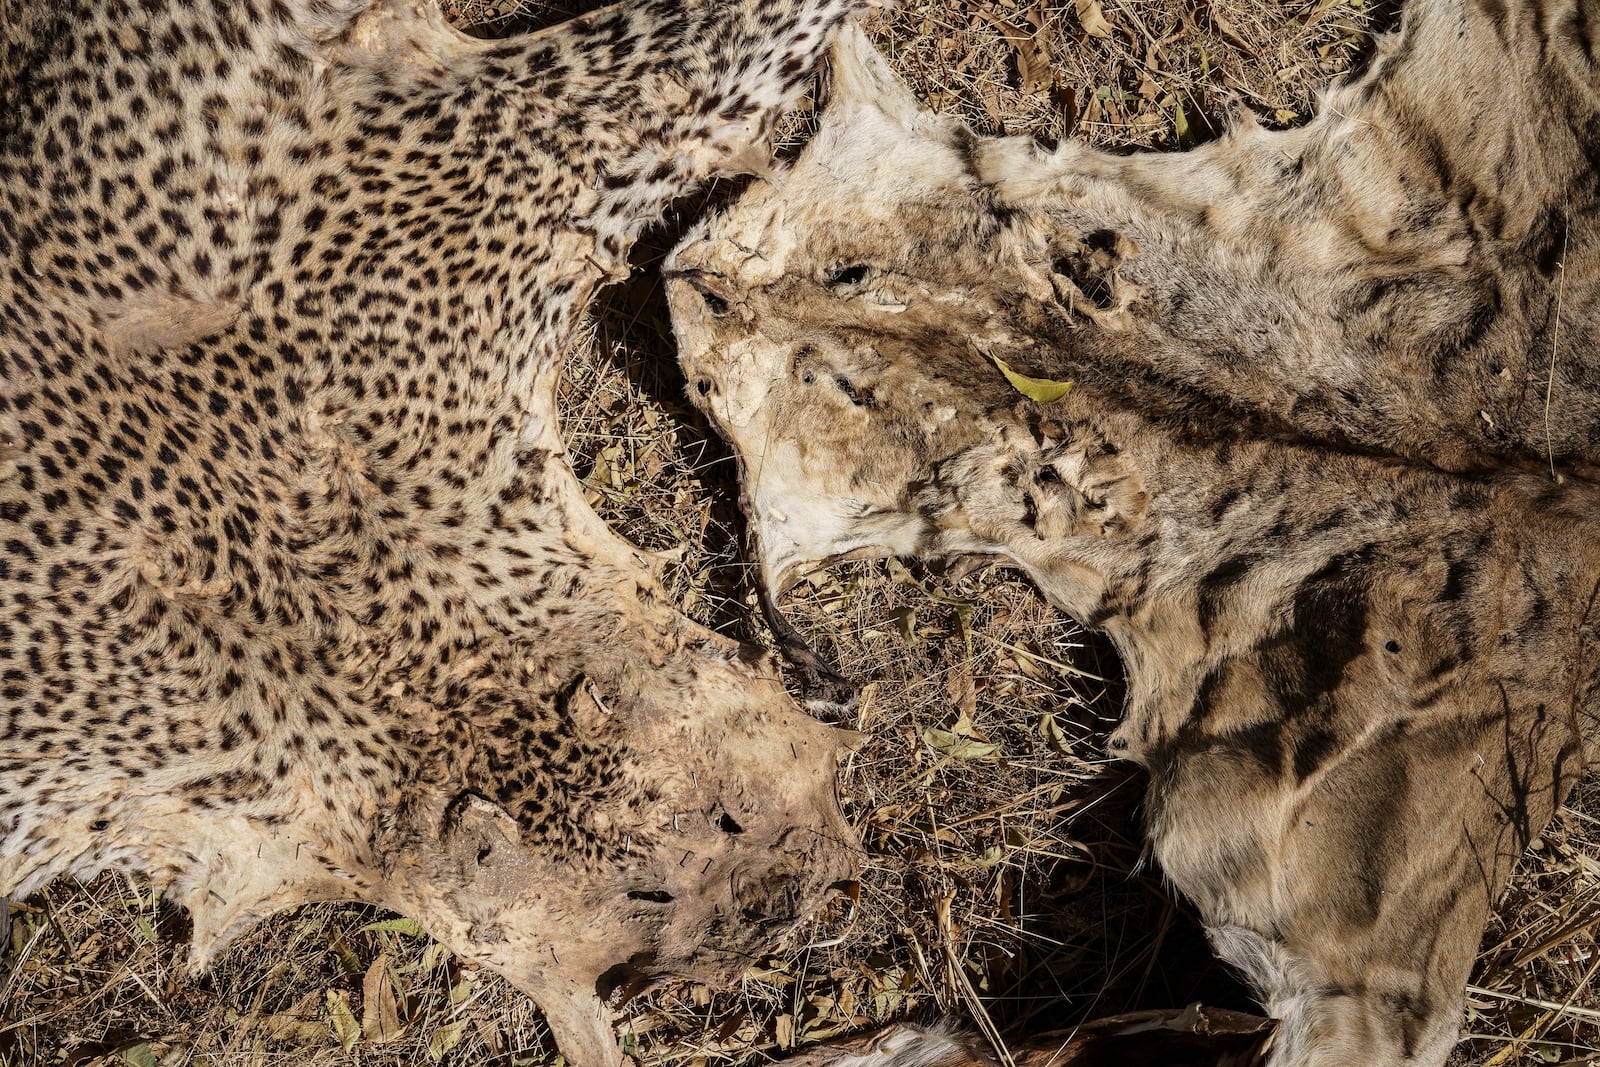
pixel 141 1055
pixel 957 746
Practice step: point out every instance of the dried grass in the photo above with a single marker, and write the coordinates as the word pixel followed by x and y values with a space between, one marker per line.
pixel 1004 878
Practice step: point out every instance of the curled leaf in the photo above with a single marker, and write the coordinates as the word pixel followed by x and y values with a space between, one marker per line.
pixel 1034 74
pixel 1054 737
pixel 1092 17
pixel 341 1020
pixel 905 620
pixel 446 1038
pixel 380 1008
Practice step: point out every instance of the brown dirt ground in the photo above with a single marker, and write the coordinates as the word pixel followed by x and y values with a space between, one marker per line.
pixel 1005 880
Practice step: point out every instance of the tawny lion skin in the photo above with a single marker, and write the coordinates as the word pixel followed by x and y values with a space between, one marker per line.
pixel 1325 473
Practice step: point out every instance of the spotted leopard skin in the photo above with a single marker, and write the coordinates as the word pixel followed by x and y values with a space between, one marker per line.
pixel 299 598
